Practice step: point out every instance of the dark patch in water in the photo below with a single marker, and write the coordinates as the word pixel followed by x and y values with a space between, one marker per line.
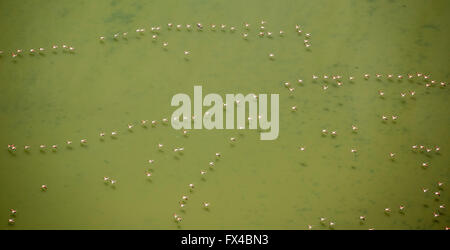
pixel 120 17
pixel 64 12
pixel 372 10
pixel 431 26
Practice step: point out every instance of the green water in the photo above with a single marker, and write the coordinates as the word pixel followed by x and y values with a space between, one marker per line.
pixel 101 87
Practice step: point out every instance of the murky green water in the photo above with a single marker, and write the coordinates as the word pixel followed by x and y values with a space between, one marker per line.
pixel 101 87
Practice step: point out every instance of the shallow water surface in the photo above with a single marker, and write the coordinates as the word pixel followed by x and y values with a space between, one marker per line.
pixel 102 86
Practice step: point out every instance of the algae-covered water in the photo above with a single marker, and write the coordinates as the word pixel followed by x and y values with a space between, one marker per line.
pixel 102 85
